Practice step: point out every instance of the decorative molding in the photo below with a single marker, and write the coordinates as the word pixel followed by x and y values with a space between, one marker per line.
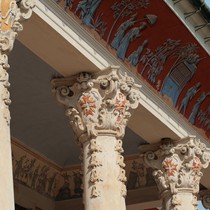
pixel 178 166
pixel 13 13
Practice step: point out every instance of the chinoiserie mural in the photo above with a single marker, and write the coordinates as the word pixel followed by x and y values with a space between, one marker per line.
pixel 156 46
pixel 48 179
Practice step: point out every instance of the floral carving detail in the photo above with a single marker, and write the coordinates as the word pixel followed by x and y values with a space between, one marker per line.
pixel 170 166
pixel 104 101
pixel 87 104
pixel 197 166
pixel 120 107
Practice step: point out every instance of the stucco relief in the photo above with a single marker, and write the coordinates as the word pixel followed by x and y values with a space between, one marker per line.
pixel 31 170
pixel 172 63
pixel 97 103
pixel 12 14
pixel 178 166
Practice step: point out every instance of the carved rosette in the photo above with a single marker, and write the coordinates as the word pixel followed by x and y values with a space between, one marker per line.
pixel 178 167
pixel 99 104
pixel 13 13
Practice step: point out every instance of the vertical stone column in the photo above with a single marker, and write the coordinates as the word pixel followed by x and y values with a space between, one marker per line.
pixel 178 166
pixel 98 107
pixel 12 14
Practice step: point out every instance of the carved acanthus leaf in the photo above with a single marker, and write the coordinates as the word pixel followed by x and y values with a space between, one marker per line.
pixel 102 101
pixel 178 163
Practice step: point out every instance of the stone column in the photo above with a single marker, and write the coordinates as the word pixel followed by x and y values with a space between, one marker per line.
pixel 98 106
pixel 178 166
pixel 12 14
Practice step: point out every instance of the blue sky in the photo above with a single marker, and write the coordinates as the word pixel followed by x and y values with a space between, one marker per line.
pixel 200 206
pixel 207 2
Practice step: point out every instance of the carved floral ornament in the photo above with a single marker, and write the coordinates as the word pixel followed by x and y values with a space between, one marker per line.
pixel 177 165
pixel 98 103
pixel 13 14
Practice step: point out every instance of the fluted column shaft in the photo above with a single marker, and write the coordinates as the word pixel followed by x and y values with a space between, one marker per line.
pixel 98 106
pixel 12 15
pixel 178 166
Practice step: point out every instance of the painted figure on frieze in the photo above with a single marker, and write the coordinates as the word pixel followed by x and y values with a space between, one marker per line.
pixel 137 176
pixel 99 25
pixel 181 72
pixel 42 180
pixel 19 167
pixel 189 95
pixel 154 62
pixel 132 35
pixel 51 184
pixel 204 118
pixel 125 8
pixel 122 30
pixel 196 107
pixel 68 4
pixel 87 10
pixel 65 191
pixel 77 176
pixel 134 57
pixel 35 177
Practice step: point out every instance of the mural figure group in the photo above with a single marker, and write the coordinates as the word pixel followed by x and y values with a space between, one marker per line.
pixel 87 10
pixel 189 95
pixel 184 56
pixel 137 176
pixel 133 34
pixel 121 31
pixel 204 118
pixel 134 57
pixel 196 107
pixel 29 172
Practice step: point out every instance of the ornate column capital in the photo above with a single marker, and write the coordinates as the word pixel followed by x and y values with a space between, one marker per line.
pixel 178 166
pixel 98 104
pixel 13 14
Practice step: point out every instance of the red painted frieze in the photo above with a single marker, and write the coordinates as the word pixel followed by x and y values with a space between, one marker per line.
pixel 151 40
